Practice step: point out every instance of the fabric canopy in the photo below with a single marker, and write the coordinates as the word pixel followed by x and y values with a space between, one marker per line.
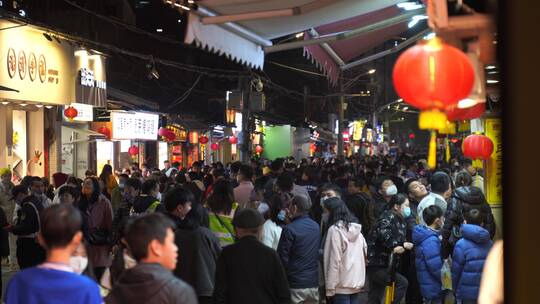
pixel 244 41
pixel 350 49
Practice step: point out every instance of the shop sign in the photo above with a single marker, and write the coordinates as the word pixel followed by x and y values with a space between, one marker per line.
pixel 91 84
pixel 134 125
pixel 493 128
pixel 180 134
pixel 84 112
pixel 42 71
pixel 88 79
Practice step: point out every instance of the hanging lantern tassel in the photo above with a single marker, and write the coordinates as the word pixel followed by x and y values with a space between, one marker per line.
pixel 432 155
pixel 446 141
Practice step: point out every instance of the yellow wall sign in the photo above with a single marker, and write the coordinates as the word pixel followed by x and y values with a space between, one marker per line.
pixel 40 70
pixel 493 127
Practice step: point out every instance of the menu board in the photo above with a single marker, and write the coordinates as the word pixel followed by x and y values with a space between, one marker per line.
pixel 134 125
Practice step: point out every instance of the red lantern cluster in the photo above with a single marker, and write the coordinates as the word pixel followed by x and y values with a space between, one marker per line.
pixel 233 140
pixel 259 149
pixel 70 112
pixel 203 140
pixel 133 150
pixel 105 131
pixel 214 146
pixel 477 147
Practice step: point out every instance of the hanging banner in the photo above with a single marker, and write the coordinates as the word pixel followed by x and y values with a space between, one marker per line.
pixel 493 127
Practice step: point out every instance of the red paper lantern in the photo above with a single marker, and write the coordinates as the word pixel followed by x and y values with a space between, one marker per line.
pixel 70 112
pixel 467 113
pixel 163 132
pixel 477 147
pixel 133 150
pixel 203 140
pixel 412 136
pixel 259 149
pixel 233 140
pixel 433 75
pixel 214 147
pixel 105 131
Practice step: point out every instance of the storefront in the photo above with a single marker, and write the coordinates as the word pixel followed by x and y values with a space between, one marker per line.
pixel 38 75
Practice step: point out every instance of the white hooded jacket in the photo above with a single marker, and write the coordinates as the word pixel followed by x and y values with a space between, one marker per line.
pixel 345 253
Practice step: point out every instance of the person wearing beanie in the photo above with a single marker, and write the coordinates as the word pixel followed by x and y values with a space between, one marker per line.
pixel 248 271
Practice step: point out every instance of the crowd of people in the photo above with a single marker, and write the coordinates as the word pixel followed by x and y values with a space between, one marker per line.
pixel 313 231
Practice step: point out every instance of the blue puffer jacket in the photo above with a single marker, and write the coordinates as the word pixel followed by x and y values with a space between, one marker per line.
pixel 469 257
pixel 428 261
pixel 298 250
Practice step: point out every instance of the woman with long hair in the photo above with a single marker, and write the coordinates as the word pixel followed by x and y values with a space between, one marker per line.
pixel 274 215
pixel 221 211
pixel 345 253
pixel 97 224
pixel 108 179
pixel 388 236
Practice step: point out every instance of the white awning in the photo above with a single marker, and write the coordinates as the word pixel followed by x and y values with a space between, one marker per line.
pixel 241 29
pixel 219 40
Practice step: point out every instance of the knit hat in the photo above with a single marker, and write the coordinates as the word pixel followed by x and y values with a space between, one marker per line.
pixel 247 218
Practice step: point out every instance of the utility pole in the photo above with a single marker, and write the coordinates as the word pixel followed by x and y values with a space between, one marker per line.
pixel 341 105
pixel 245 87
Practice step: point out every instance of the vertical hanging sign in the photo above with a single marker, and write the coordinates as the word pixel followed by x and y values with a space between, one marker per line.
pixel 494 163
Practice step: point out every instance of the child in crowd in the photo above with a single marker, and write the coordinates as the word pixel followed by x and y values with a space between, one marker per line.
pixel 469 257
pixel 428 254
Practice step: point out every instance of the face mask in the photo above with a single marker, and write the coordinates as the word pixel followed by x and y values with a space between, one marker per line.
pixel 281 215
pixel 392 190
pixel 121 185
pixel 78 263
pixel 406 212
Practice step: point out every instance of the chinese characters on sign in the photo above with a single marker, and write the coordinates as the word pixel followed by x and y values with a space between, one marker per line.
pixel 134 125
pixel 88 79
pixel 494 163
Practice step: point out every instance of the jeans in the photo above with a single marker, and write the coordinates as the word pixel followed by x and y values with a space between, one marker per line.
pixel 378 277
pixel 345 299
pixel 433 301
pixel 305 296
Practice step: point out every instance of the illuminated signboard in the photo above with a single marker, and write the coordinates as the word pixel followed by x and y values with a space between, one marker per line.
pixel 134 125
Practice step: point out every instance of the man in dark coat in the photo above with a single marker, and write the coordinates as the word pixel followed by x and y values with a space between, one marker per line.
pixel 151 242
pixel 199 247
pixel 298 250
pixel 463 200
pixel 248 271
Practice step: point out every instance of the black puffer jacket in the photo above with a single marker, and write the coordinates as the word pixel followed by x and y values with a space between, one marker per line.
pixel 389 232
pixel 463 200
